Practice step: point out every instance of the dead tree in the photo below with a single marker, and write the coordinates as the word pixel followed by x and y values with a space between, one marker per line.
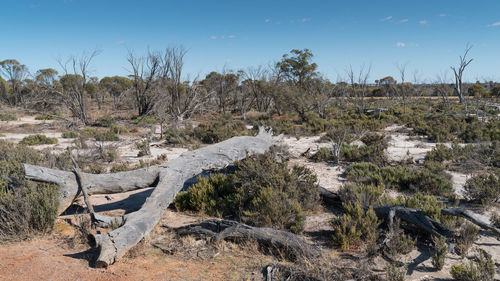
pixel 464 62
pixel 74 84
pixel 169 179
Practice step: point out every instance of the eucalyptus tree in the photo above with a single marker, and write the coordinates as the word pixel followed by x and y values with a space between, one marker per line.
pixel 15 73
pixel 116 87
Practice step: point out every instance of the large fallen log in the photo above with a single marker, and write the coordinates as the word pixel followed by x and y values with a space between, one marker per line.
pixel 170 178
pixel 279 241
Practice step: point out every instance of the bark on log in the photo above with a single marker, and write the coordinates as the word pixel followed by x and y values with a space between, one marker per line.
pixel 94 183
pixel 282 242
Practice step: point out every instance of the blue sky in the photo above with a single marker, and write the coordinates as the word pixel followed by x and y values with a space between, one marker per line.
pixel 428 36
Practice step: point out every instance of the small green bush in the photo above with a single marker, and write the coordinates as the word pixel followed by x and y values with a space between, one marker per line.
pixel 38 140
pixel 100 135
pixel 355 227
pixel 440 251
pixel 105 121
pixel 222 129
pixel 26 208
pixel 483 188
pixel 482 270
pixel 366 195
pixel 324 154
pixel 214 196
pixel 495 220
pixel 69 135
pixel 7 117
pixel 143 147
pixel 48 116
pixel 394 272
pixel 465 240
pixel 263 192
pixel 143 120
pixel 398 243
pixel 439 153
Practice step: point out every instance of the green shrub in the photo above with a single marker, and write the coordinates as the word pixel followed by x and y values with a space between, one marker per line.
pixel 355 227
pixel 118 129
pixel 143 147
pixel 429 179
pixel 105 121
pixel 143 120
pixel 214 196
pixel 48 116
pixel 178 136
pixel 26 208
pixel 440 251
pixel 372 151
pixel 366 195
pixel 395 273
pixel 465 240
pixel 263 192
pixel 365 173
pixel 482 270
pixel 483 188
pixel 222 129
pixel 495 220
pixel 69 135
pixel 397 242
pixel 324 154
pixel 7 117
pixel 100 135
pixel 37 140
pixel 439 153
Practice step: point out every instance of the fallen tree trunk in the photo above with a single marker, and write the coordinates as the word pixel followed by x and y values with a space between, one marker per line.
pixel 276 241
pixel 170 178
pixel 472 217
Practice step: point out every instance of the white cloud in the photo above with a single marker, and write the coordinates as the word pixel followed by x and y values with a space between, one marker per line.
pixel 400 44
pixel 442 15
pixel 403 21
pixel 267 20
pixel 213 37
pixel 231 36
pixel 423 22
pixel 305 19
pixel 387 18
pixel 494 24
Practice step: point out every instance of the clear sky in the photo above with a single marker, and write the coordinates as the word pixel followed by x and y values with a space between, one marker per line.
pixel 428 36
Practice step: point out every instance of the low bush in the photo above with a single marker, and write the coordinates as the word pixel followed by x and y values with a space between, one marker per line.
pixel 143 147
pixel 48 116
pixel 221 129
pixel 262 191
pixel 366 195
pixel 428 179
pixel 26 208
pixel 105 121
pixel 440 251
pixel 143 120
pixel 7 117
pixel 465 240
pixel 38 140
pixel 355 227
pixel 482 270
pixel 100 135
pixel 324 154
pixel 394 272
pixel 483 188
pixel 495 220
pixel 69 135
pixel 397 242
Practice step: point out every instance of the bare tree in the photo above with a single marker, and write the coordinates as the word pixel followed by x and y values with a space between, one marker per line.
pixel 403 86
pixel 359 84
pixel 144 74
pixel 74 92
pixel 464 62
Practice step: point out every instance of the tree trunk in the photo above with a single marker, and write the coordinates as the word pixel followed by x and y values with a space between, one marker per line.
pixel 170 177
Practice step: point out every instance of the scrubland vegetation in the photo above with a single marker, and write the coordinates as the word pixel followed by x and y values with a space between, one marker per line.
pixel 154 108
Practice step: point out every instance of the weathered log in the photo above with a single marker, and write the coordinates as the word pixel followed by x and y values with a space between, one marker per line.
pixel 283 242
pixel 472 217
pixel 94 183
